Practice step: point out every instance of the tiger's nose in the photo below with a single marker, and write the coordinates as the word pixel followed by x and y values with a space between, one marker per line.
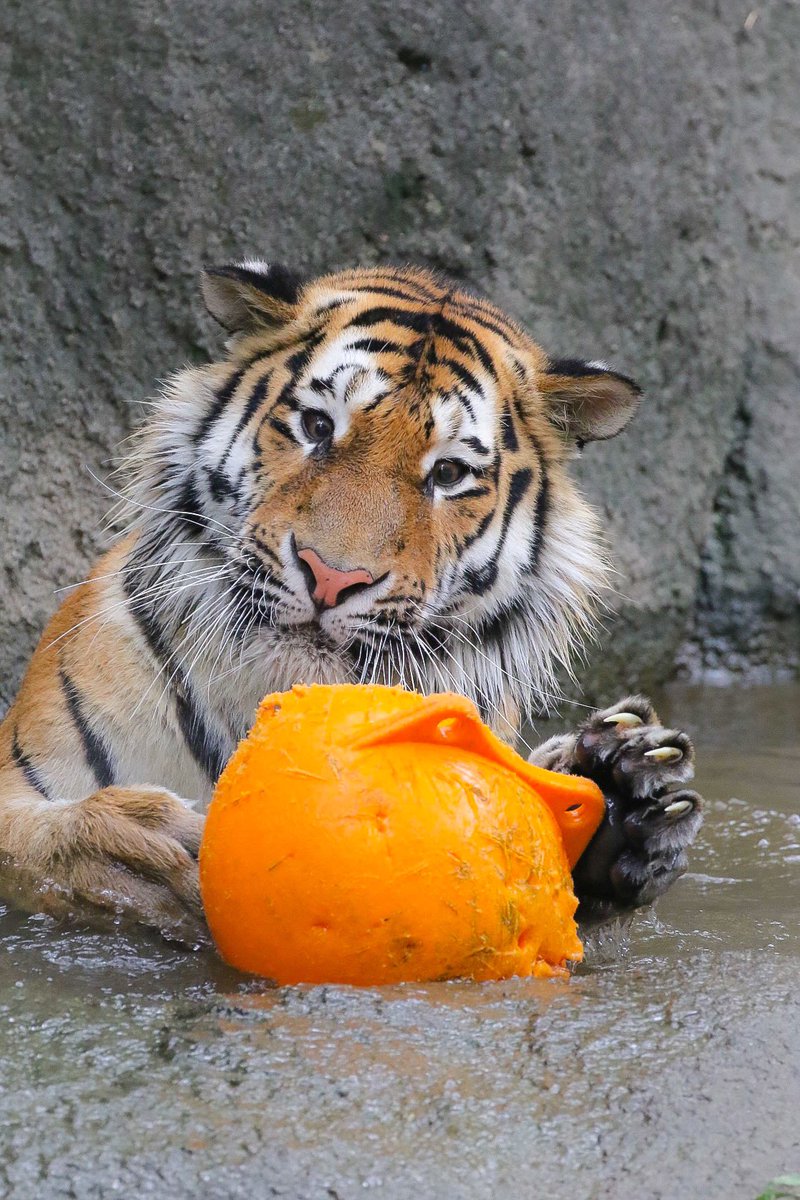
pixel 328 584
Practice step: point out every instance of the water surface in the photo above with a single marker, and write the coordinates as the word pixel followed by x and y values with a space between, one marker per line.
pixel 668 1067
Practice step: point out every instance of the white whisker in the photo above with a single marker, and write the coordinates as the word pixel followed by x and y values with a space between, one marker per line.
pixel 202 518
pixel 128 570
pixel 208 608
pixel 151 593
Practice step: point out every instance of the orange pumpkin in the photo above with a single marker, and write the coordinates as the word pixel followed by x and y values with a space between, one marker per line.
pixel 369 835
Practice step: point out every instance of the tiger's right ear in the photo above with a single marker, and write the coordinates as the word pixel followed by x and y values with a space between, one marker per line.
pixel 587 401
pixel 251 295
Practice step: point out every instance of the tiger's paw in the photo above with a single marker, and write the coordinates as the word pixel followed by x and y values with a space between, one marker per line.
pixel 121 855
pixel 651 817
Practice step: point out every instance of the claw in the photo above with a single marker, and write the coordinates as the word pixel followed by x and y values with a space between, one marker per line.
pixel 664 754
pixel 629 719
pixel 677 808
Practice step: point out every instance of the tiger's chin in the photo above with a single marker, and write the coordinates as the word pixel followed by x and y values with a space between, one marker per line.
pixel 309 634
pixel 302 653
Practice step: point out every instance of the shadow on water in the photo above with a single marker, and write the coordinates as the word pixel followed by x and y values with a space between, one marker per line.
pixel 667 1067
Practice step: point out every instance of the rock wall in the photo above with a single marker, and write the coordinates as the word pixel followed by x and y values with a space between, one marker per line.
pixel 622 177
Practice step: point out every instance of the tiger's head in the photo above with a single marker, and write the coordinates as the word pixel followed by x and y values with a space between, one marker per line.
pixel 381 466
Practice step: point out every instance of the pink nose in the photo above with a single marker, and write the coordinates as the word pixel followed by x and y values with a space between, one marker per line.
pixel 330 582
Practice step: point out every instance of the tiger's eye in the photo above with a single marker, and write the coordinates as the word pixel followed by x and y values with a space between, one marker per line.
pixel 447 472
pixel 317 425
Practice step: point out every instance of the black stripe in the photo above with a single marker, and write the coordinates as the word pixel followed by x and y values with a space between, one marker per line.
pixel 298 342
pixel 264 549
pixel 204 746
pixel 494 629
pixel 480 579
pixel 377 346
pixel 219 485
pixel 421 295
pixel 281 427
pixel 151 632
pixel 474 313
pixel 364 290
pixel 249 597
pixel 520 482
pixel 189 508
pixel 330 306
pixel 219 404
pixel 373 404
pixel 256 357
pixel 520 411
pixel 267 586
pixel 480 531
pixel 388 626
pixel 284 399
pixel 507 430
pixel 465 402
pixel 477 445
pixel 466 377
pixel 469 494
pixel 426 323
pixel 416 320
pixel 94 748
pixel 149 548
pixel 23 762
pixel 458 335
pixel 239 496
pixel 542 508
pixel 307 346
pixel 336 371
pixel 475 308
pixel 256 396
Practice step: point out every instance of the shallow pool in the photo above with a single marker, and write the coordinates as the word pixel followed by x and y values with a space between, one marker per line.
pixel 668 1067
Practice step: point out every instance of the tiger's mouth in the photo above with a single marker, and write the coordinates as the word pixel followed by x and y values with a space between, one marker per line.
pixel 307 633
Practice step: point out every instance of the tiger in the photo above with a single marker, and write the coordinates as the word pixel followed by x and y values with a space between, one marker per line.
pixel 371 485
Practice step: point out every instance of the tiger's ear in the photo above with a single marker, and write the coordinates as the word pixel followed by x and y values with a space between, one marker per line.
pixel 587 401
pixel 251 295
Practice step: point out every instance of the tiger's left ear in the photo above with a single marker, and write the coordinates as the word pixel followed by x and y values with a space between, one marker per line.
pixel 251 295
pixel 587 401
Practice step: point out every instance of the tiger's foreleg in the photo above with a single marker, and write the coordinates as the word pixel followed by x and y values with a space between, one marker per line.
pixel 81 830
pixel 119 853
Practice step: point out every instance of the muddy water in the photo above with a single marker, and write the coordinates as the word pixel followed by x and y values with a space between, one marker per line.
pixel 669 1067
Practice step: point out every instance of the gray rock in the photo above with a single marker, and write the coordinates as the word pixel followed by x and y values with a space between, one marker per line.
pixel 619 177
